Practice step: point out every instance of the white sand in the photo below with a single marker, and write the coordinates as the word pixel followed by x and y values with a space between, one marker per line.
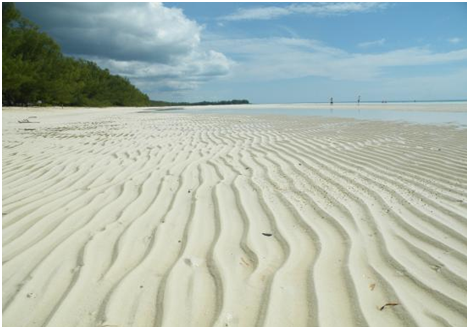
pixel 117 218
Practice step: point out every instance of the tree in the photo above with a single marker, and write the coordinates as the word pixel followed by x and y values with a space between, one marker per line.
pixel 34 69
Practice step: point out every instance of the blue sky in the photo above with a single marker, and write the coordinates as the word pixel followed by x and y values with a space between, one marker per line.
pixel 270 52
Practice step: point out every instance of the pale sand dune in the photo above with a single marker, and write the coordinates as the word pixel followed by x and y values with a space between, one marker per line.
pixel 118 218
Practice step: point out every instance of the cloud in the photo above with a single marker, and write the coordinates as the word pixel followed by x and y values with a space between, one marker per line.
pixel 153 45
pixel 196 68
pixel 316 9
pixel 372 43
pixel 263 13
pixel 449 86
pixel 267 59
pixel 454 40
pixel 140 31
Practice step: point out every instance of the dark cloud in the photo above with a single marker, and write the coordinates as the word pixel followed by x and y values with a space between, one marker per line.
pixel 123 31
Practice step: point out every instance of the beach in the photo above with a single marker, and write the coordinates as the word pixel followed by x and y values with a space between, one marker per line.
pixel 126 217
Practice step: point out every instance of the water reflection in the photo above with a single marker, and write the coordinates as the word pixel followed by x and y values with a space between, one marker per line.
pixel 421 117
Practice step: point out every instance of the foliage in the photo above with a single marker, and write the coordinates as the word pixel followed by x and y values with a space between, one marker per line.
pixel 156 103
pixel 35 71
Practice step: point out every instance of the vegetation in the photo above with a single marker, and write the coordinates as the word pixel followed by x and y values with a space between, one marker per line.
pixel 155 103
pixel 36 72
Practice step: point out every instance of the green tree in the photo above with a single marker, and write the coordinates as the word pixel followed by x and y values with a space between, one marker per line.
pixel 34 69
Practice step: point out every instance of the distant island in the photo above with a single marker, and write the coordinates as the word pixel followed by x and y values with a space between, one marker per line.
pixel 157 103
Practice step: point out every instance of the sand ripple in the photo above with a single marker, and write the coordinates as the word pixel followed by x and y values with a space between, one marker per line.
pixel 120 218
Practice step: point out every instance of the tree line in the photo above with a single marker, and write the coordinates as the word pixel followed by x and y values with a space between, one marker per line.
pixel 202 103
pixel 36 72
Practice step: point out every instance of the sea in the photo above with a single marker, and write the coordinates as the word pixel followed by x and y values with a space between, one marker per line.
pixel 457 119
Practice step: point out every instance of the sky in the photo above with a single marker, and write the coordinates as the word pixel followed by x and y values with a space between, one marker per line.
pixel 269 52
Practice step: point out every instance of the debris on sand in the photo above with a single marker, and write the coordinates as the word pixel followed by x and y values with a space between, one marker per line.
pixel 25 121
pixel 389 304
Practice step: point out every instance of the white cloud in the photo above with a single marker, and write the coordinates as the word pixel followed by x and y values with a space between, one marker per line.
pixel 316 9
pixel 156 47
pixel 447 86
pixel 125 31
pixel 285 58
pixel 372 43
pixel 454 40
pixel 258 13
pixel 196 68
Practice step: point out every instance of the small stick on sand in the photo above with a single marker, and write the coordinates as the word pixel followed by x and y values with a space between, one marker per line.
pixel 390 304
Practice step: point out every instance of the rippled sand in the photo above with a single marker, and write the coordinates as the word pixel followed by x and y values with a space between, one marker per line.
pixel 119 218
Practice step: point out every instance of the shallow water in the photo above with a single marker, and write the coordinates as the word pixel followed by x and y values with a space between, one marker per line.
pixel 458 119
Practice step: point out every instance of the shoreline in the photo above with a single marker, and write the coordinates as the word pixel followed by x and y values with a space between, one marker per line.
pixel 438 107
pixel 460 106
